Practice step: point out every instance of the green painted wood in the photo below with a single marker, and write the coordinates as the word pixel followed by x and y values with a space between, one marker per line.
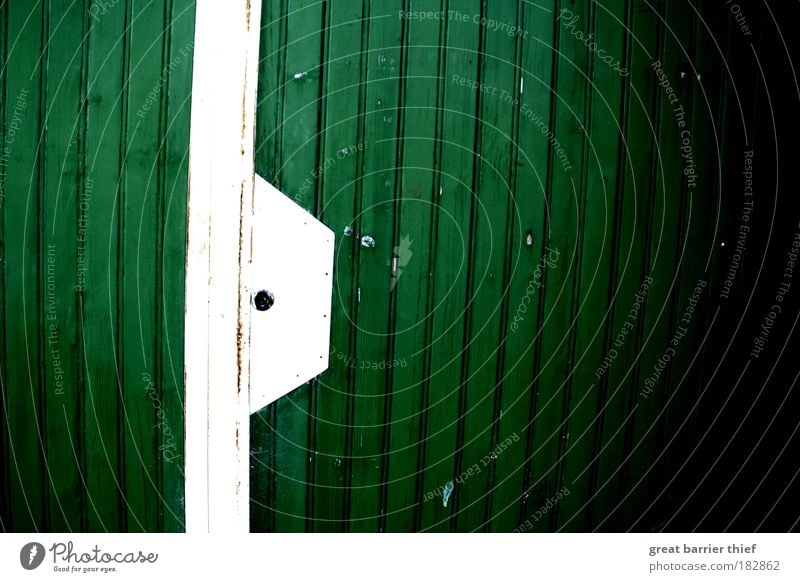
pixel 488 286
pixel 380 182
pixel 410 283
pixel 139 255
pixel 595 338
pixel 23 358
pixel 58 233
pixel 618 384
pixel 174 164
pixel 531 189
pixel 94 230
pixel 568 120
pixel 428 134
pixel 337 184
pixel 104 110
pixel 457 167
pixel 529 206
pixel 5 507
pixel 667 250
pixel 450 247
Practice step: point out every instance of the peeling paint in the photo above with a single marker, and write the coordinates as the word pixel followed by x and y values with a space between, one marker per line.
pixel 448 491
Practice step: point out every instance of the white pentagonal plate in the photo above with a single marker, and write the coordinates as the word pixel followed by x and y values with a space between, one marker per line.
pixel 292 258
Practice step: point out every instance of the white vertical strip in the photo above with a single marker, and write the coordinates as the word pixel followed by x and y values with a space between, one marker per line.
pixel 221 173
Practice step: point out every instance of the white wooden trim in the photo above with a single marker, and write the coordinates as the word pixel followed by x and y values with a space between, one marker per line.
pixel 221 176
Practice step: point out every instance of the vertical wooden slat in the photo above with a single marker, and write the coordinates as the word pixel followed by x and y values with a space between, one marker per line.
pixel 100 291
pixel 411 263
pixel 488 289
pixel 24 358
pixel 596 228
pixel 451 248
pixel 667 248
pixel 139 232
pixel 346 27
pixel 5 453
pixel 535 96
pixel 261 471
pixel 174 163
pixel 567 123
pixel 270 89
pixel 58 256
pixel 377 188
pixel 618 385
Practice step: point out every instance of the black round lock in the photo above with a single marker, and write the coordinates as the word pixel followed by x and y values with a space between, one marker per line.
pixel 264 300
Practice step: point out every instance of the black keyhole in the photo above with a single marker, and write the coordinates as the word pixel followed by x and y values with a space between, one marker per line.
pixel 264 300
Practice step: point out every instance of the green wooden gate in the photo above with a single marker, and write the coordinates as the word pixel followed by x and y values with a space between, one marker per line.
pixel 531 290
pixel 525 197
pixel 95 126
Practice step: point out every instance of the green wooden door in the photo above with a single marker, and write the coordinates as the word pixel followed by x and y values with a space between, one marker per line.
pixel 522 194
pixel 532 300
pixel 95 102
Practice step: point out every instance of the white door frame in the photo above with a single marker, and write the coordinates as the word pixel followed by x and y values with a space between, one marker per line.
pixel 221 179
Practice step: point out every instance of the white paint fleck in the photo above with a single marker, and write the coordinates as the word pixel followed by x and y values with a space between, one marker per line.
pixel 448 491
pixel 367 241
pixel 521 85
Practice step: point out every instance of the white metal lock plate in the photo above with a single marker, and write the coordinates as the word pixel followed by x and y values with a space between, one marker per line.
pixel 293 260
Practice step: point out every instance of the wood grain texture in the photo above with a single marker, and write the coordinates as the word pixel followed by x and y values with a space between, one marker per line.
pixel 96 96
pixel 527 183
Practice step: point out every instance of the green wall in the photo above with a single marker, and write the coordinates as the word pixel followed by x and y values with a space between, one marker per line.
pixel 95 103
pixel 541 230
